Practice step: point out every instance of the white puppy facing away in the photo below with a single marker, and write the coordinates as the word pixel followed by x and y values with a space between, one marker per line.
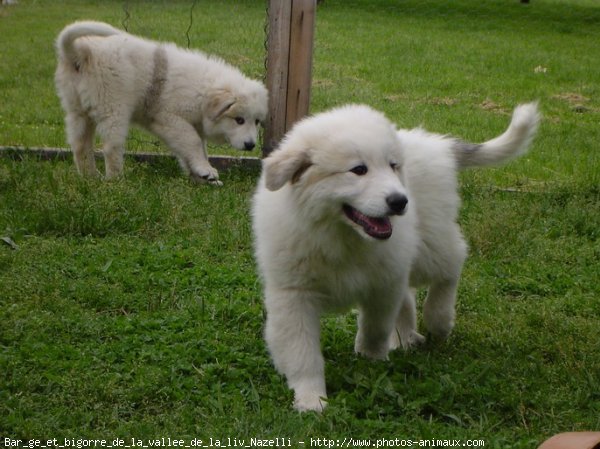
pixel 351 212
pixel 107 78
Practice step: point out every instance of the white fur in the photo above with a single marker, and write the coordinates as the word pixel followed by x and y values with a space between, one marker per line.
pixel 107 78
pixel 314 259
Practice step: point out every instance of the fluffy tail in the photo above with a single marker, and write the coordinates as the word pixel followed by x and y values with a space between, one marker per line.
pixel 66 39
pixel 512 143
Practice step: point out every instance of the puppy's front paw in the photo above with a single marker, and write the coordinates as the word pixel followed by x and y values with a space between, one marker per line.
pixel 206 175
pixel 373 352
pixel 440 325
pixel 309 402
pixel 215 182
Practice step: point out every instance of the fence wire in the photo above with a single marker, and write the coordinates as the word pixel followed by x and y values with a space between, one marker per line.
pixel 237 31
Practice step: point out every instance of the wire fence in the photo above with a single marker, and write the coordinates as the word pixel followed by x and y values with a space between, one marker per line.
pixel 237 31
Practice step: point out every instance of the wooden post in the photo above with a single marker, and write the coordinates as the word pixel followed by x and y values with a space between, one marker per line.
pixel 289 66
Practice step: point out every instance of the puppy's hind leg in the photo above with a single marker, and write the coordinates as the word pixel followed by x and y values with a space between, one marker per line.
pixel 292 333
pixel 113 132
pixel 80 132
pixel 438 309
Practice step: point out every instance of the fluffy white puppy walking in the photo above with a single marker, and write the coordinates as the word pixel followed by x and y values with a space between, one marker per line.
pixel 351 212
pixel 107 78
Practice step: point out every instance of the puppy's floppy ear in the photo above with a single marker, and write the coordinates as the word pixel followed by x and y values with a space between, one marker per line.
pixel 283 165
pixel 219 102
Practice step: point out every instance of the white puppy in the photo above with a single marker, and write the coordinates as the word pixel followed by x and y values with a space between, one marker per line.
pixel 350 212
pixel 107 78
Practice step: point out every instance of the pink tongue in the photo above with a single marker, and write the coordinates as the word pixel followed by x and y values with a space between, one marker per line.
pixel 376 227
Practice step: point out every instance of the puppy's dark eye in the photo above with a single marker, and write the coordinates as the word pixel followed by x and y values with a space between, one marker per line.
pixel 240 120
pixel 360 170
pixel 393 165
pixel 257 122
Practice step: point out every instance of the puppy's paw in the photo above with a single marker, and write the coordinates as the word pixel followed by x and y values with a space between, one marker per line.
pixel 406 340
pixel 111 176
pixel 215 182
pixel 409 340
pixel 310 402
pixel 440 326
pixel 206 175
pixel 373 352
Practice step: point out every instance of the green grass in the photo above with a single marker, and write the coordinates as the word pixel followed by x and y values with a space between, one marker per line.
pixel 133 308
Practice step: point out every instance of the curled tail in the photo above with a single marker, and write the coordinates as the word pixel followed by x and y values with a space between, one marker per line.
pixel 512 143
pixel 66 39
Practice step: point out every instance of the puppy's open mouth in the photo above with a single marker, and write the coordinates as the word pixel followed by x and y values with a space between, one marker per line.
pixel 377 227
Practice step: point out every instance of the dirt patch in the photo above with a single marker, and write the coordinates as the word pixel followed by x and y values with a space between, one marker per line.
pixel 444 101
pixel 577 102
pixel 489 105
pixel 572 98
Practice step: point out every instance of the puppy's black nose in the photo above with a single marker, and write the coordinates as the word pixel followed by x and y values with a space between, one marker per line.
pixel 249 146
pixel 397 203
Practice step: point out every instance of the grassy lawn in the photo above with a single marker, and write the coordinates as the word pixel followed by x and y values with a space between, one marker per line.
pixel 133 308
